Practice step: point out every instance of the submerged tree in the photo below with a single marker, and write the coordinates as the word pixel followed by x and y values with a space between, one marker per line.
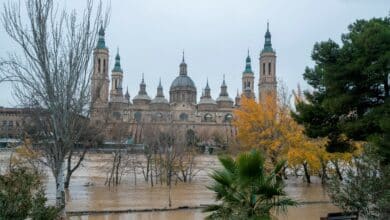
pixel 365 188
pixel 52 74
pixel 246 190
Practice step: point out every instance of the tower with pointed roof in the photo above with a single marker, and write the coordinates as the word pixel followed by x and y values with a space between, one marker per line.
pixel 116 93
pixel 127 96
pixel 100 80
pixel 237 100
pixel 224 101
pixel 248 79
pixel 207 103
pixel 159 102
pixel 142 97
pixel 267 61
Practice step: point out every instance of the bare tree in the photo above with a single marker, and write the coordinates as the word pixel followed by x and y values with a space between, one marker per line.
pixel 53 73
pixel 121 159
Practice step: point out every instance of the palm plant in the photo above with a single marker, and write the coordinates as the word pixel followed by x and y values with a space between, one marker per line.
pixel 245 190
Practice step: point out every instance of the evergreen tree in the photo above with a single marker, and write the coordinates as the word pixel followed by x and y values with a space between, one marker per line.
pixel 351 88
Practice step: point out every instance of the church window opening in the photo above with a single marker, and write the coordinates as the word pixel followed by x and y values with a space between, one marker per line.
pixel 183 117
pixel 263 68
pixel 116 115
pixel 269 68
pixel 104 66
pixel 228 117
pixel 137 116
pixel 99 63
pixel 208 117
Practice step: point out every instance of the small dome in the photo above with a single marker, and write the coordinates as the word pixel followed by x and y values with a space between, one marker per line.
pixel 159 100
pixel 141 97
pixel 182 81
pixel 207 101
pixel 224 99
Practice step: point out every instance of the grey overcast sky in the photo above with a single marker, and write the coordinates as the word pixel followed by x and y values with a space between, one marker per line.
pixel 215 35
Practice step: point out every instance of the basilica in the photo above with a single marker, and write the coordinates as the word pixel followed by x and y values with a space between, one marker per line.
pixel 111 105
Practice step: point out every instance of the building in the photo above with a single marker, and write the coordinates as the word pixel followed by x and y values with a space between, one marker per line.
pixel 111 105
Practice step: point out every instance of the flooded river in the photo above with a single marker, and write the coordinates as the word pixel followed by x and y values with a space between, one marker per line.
pixel 88 193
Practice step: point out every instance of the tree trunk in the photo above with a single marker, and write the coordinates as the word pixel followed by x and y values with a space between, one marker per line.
pixel 338 171
pixel 60 189
pixel 70 170
pixel 117 168
pixel 307 174
pixel 151 176
pixel 324 176
pixel 386 84
pixel 284 172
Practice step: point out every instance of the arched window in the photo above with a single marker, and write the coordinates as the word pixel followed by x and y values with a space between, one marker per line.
pixel 99 67
pixel 158 116
pixel 138 116
pixel 228 117
pixel 104 65
pixel 116 115
pixel 183 117
pixel 208 117
pixel 269 68
pixel 263 68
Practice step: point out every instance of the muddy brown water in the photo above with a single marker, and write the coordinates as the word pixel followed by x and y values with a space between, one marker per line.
pixel 88 193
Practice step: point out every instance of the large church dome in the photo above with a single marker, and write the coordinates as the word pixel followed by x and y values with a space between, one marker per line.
pixel 182 81
pixel 183 89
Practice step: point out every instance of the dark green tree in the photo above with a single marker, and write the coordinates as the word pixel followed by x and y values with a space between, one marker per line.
pixel 22 196
pixel 246 190
pixel 351 88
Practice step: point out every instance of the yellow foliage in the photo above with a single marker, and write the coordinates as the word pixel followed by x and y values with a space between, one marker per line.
pixel 269 127
pixel 261 126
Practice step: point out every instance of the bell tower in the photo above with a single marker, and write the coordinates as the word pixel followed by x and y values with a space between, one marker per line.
pixel 100 80
pixel 248 79
pixel 116 93
pixel 267 79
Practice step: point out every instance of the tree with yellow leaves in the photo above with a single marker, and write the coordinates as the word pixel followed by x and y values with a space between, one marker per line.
pixel 268 126
pixel 262 126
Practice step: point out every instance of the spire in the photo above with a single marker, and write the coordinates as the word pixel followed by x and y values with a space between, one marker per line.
pixel 248 66
pixel 101 44
pixel 207 90
pixel 183 67
pixel 267 42
pixel 223 82
pixel 127 95
pixel 142 87
pixel 160 92
pixel 223 88
pixel 159 84
pixel 117 67
pixel 237 99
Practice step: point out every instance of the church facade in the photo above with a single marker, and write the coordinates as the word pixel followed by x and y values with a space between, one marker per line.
pixel 111 105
